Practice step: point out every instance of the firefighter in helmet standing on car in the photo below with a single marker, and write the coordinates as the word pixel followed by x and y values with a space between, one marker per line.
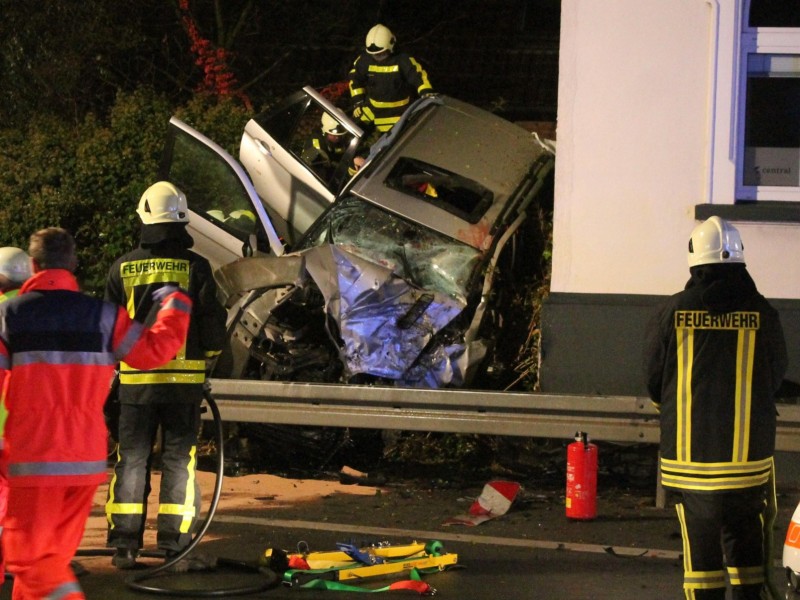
pixel 168 397
pixel 383 83
pixel 15 269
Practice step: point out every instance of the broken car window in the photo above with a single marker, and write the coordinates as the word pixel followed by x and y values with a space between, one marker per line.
pixel 457 195
pixel 283 122
pixel 419 255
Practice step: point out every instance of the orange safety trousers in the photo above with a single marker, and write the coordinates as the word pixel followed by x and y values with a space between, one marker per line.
pixel 3 505
pixel 43 529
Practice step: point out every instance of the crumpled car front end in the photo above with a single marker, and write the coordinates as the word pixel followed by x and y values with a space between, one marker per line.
pixel 408 277
pixel 373 298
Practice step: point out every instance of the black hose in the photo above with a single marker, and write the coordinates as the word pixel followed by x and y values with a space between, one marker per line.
pixel 272 579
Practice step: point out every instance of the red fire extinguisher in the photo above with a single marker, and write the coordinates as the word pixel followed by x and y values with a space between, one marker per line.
pixel 581 478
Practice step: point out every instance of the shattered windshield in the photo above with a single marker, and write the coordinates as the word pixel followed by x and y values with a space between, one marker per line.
pixel 419 255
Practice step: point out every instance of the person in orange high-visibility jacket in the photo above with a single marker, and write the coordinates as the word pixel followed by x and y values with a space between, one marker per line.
pixel 58 351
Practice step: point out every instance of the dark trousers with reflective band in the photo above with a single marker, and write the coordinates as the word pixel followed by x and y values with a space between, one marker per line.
pixel 179 494
pixel 729 522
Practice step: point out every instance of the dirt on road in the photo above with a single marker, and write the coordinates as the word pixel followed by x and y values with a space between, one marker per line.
pixel 626 518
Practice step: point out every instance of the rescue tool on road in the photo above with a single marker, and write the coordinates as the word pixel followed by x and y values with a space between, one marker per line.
pixel 354 564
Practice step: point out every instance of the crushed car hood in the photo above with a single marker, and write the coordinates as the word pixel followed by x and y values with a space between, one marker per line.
pixel 384 322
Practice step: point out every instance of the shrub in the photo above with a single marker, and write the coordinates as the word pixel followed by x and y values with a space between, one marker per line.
pixel 88 178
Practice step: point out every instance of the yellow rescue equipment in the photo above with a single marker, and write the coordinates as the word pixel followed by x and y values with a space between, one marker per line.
pixel 328 569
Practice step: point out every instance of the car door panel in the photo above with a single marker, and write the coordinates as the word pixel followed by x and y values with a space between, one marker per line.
pixel 227 217
pixel 285 184
pixel 271 150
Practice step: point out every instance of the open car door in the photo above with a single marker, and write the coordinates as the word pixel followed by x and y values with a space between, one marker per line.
pixel 227 219
pixel 272 151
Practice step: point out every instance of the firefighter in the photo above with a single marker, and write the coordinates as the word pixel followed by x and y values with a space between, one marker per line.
pixel 14 270
pixel 715 356
pixel 168 397
pixel 323 151
pixel 383 83
pixel 58 348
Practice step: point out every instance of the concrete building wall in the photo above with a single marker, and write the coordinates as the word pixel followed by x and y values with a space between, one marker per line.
pixel 648 129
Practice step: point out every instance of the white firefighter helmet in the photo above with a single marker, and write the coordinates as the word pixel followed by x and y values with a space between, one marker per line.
pixel 331 125
pixel 163 202
pixel 14 264
pixel 379 39
pixel 715 241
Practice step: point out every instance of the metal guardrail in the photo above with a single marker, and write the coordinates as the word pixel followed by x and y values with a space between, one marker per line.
pixel 607 418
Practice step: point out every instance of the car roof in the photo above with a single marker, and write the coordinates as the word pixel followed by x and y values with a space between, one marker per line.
pixel 464 140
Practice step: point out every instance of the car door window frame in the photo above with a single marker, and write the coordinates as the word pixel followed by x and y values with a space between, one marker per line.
pixel 291 124
pixel 263 225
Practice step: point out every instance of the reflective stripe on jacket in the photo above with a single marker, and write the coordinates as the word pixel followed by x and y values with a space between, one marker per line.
pixel 58 352
pixel 132 280
pixel 386 88
pixel 8 295
pixel 713 374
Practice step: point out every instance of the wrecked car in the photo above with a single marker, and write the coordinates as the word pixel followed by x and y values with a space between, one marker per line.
pixel 397 273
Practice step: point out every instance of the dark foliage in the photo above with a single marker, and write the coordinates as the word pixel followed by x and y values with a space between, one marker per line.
pixel 87 87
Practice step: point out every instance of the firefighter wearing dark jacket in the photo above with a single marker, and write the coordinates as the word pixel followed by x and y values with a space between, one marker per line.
pixel 323 151
pixel 58 350
pixel 169 396
pixel 382 83
pixel 715 356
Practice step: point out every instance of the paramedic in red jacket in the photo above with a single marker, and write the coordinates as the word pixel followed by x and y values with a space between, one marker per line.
pixel 58 352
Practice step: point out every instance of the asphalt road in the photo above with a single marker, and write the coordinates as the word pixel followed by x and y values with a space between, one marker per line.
pixel 507 567
pixel 628 552
pixel 511 568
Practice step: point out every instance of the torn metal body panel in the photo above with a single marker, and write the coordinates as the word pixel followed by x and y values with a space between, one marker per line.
pixel 404 272
pixel 384 322
pixel 361 313
pixel 251 289
pixel 269 272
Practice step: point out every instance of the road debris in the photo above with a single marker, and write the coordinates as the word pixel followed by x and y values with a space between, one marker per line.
pixel 494 501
